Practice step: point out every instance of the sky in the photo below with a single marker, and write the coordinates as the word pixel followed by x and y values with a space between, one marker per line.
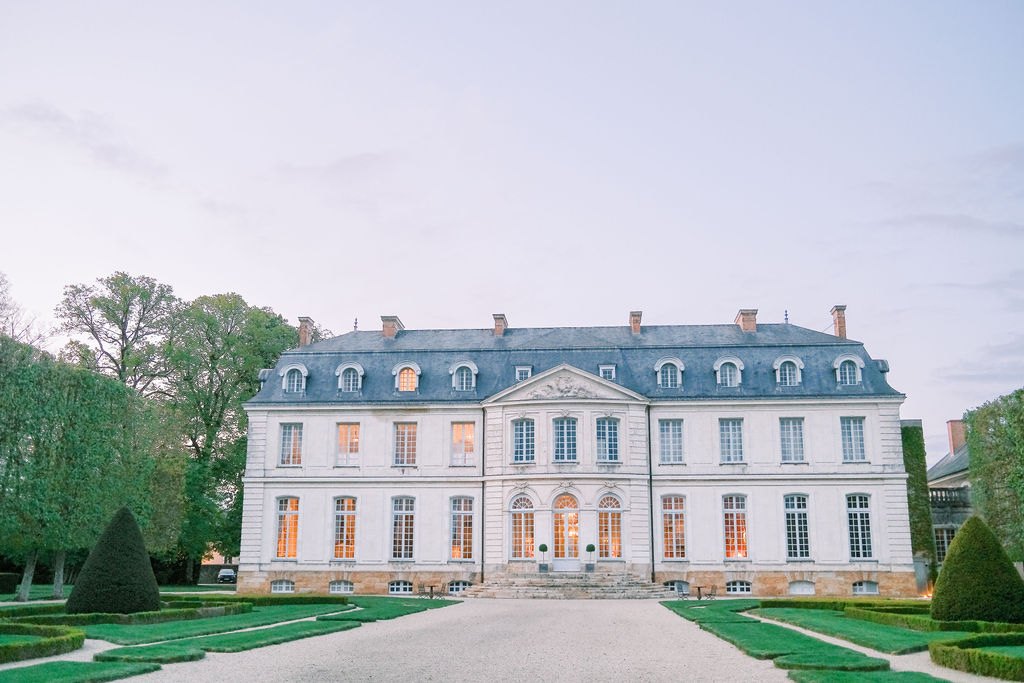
pixel 560 162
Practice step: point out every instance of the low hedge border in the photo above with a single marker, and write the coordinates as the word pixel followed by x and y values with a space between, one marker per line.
pixel 139 618
pixel 56 640
pixel 840 605
pixel 964 655
pixel 265 600
pixel 15 611
pixel 923 622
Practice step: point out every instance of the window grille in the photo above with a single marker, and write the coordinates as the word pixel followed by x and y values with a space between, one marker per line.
pixel 852 429
pixel 287 526
pixel 791 435
pixel 400 588
pixel 291 444
pixel 565 439
pixel 668 376
pixel 607 439
pixel 402 528
pixel 670 441
pixel 463 379
pixel 407 380
pixel 462 528
pixel 341 588
pixel 344 528
pixel 522 528
pixel 737 588
pixel 609 528
pixel 463 443
pixel 522 441
pixel 735 518
pixel 728 375
pixel 730 433
pixel 350 380
pixel 282 586
pixel 787 374
pixel 348 444
pixel 294 381
pixel 798 545
pixel 674 526
pixel 405 444
pixel 847 372
pixel 858 517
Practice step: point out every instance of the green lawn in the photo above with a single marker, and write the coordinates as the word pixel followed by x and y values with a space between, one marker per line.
pixel 881 637
pixel 375 608
pixel 863 676
pixel 1010 650
pixel 198 589
pixel 75 672
pixel 260 616
pixel 15 638
pixel 37 592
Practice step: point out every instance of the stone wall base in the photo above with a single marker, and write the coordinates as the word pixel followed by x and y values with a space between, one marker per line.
pixel 901 584
pixel 364 582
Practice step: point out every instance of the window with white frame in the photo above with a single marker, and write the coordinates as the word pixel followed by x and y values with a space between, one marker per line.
pixel 798 544
pixel 456 587
pixel 402 528
pixel 865 588
pixel 400 588
pixel 405 444
pixel 350 377
pixel 734 510
pixel 294 382
pixel 287 527
pixel 522 528
pixel 787 374
pixel 522 441
pixel 407 379
pixel 737 588
pixel 607 439
pixel 791 437
pixel 673 521
pixel 730 435
pixel 680 587
pixel 341 588
pixel 858 516
pixel 670 441
pixel 943 537
pixel 344 528
pixel 291 443
pixel 463 443
pixel 463 379
pixel 852 432
pixel 609 528
pixel 282 586
pixel 607 372
pixel 348 444
pixel 462 528
pixel 565 439
pixel 668 376
pixel 728 375
pixel 523 372
pixel 847 372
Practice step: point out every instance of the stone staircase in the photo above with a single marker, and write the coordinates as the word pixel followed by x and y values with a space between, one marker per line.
pixel 569 586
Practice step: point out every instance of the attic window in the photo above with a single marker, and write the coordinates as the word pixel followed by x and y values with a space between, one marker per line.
pixel 848 369
pixel 729 371
pixel 463 375
pixel 669 372
pixel 607 372
pixel 788 371
pixel 350 377
pixel 293 378
pixel 407 376
pixel 523 372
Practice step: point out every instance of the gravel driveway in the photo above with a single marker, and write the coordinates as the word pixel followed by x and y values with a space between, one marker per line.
pixel 498 640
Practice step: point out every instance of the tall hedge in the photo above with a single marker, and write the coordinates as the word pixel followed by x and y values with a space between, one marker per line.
pixel 118 576
pixel 922 539
pixel 977 580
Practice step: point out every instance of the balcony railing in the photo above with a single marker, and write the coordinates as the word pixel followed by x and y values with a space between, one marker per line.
pixel 960 497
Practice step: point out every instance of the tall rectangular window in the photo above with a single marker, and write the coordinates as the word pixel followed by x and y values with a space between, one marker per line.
pixel 291 444
pixel 943 537
pixel 565 439
pixel 735 518
pixel 522 528
pixel 670 440
pixel 402 526
pixel 609 528
pixel 348 444
pixel 852 429
pixel 798 545
pixel 607 439
pixel 344 528
pixel 287 526
pixel 730 433
pixel 858 516
pixel 463 443
pixel 522 441
pixel 462 528
pixel 405 444
pixel 674 526
pixel 791 434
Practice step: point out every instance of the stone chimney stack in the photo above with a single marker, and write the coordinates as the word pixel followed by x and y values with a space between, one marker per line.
pixel 500 324
pixel 747 319
pixel 957 434
pixel 634 321
pixel 392 325
pixel 305 331
pixel 839 320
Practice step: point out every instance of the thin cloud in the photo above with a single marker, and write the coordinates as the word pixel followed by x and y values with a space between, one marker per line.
pixel 954 222
pixel 342 168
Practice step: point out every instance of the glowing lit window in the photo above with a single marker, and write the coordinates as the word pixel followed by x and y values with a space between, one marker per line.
pixel 788 374
pixel 673 519
pixel 668 377
pixel 405 444
pixel 522 528
pixel 791 435
pixel 350 380
pixel 287 526
pixel 456 587
pixel 852 432
pixel 402 527
pixel 798 545
pixel 670 441
pixel 735 518
pixel 463 379
pixel 847 372
pixel 462 528
pixel 291 444
pixel 348 444
pixel 565 439
pixel 463 443
pixel 737 587
pixel 400 588
pixel 730 433
pixel 341 588
pixel 858 517
pixel 607 439
pixel 522 441
pixel 609 528
pixel 344 528
pixel 282 586
pixel 294 382
pixel 407 379
pixel 865 588
pixel 943 537
pixel 567 528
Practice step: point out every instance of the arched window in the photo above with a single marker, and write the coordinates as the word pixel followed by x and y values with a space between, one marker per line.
pixel 848 369
pixel 293 378
pixel 400 588
pixel 462 528
pixel 287 527
pixel 344 528
pixel 673 509
pixel 670 372
pixel 567 527
pixel 609 528
pixel 463 375
pixel 407 376
pixel 847 372
pixel 737 587
pixel 341 588
pixel 728 371
pixel 788 370
pixel 282 586
pixel 350 377
pixel 522 528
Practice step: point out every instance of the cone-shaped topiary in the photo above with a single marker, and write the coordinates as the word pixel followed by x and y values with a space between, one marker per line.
pixel 118 576
pixel 977 580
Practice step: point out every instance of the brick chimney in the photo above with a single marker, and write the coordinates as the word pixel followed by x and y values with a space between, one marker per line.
pixel 839 320
pixel 957 434
pixel 500 324
pixel 634 321
pixel 305 330
pixel 392 325
pixel 747 319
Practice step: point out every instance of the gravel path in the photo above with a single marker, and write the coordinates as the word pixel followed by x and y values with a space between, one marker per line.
pixel 497 640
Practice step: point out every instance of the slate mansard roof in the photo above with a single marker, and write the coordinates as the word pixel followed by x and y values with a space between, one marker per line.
pixel 633 355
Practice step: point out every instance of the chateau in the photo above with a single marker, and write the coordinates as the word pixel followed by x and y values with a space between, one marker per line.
pixel 762 459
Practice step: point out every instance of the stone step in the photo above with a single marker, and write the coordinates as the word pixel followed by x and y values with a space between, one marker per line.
pixel 570 585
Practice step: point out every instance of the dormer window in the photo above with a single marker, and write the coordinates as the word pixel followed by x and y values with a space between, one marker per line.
pixel 463 375
pixel 407 376
pixel 293 378
pixel 350 377
pixel 607 372
pixel 523 372
pixel 729 371
pixel 788 371
pixel 670 373
pixel 848 370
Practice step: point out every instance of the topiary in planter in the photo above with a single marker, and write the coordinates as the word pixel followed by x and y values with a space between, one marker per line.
pixel 118 576
pixel 977 580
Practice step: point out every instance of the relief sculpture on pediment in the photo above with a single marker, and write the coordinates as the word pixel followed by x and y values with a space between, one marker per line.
pixel 563 387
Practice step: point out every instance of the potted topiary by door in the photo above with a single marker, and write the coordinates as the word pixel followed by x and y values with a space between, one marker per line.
pixel 543 565
pixel 590 561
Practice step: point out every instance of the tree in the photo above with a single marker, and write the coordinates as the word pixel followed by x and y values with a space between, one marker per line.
pixel 922 539
pixel 995 437
pixel 119 324
pixel 977 580
pixel 14 321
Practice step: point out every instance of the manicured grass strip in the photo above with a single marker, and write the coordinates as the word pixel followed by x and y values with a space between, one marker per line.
pixel 191 649
pixel 866 676
pixel 16 639
pixel 193 611
pixel 198 589
pixel 700 612
pixel 267 600
pixel 881 637
pixel 45 641
pixel 75 672
pixel 376 608
pixel 42 591
pixel 151 633
pixel 1011 650
pixel 922 621
pixel 978 655
pixel 14 611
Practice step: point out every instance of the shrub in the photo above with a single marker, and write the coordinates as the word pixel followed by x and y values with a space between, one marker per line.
pixel 52 640
pixel 967 655
pixel 978 581
pixel 118 576
pixel 8 582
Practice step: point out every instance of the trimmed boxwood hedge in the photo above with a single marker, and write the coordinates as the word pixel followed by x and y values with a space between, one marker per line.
pixel 923 622
pixel 266 600
pixel 8 582
pixel 14 611
pixel 54 640
pixel 174 614
pixel 840 604
pixel 965 655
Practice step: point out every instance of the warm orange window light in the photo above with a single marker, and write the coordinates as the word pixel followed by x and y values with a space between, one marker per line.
pixel 345 528
pixel 287 526
pixel 407 380
pixel 609 528
pixel 348 444
pixel 462 529
pixel 674 526
pixel 735 526
pixel 522 528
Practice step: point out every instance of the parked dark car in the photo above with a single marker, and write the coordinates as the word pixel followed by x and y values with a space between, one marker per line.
pixel 227 576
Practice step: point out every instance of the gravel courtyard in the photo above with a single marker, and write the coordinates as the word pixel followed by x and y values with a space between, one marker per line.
pixel 498 640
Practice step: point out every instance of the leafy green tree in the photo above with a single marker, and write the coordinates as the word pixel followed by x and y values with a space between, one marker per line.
pixel 995 437
pixel 922 539
pixel 14 321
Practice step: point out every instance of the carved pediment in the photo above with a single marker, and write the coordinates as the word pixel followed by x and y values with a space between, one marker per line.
pixel 566 383
pixel 564 386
